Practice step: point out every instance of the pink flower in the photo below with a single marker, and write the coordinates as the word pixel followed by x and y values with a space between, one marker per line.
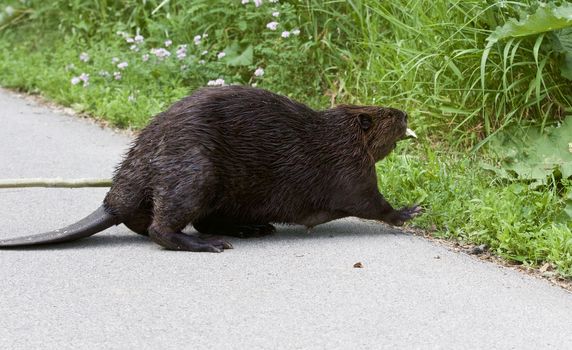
pixel 117 75
pixel 285 34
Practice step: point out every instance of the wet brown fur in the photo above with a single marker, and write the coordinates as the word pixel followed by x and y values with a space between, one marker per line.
pixel 234 159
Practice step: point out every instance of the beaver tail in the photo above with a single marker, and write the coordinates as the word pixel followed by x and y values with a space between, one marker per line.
pixel 95 222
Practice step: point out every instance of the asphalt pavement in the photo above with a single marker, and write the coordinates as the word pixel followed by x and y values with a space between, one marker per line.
pixel 292 290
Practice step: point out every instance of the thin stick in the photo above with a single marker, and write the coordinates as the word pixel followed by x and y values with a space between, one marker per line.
pixel 56 182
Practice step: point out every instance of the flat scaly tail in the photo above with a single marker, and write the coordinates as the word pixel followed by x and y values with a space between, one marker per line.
pixel 95 222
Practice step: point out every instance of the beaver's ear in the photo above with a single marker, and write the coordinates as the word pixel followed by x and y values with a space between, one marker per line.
pixel 365 121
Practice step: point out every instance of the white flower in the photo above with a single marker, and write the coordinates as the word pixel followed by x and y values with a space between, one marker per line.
pixel 168 43
pixel 259 72
pixel 75 80
pixel 134 48
pixel 257 3
pixel 117 75
pixel 131 98
pixel 9 10
pixel 182 51
pixel 130 40
pixel 273 1
pixel 202 62
pixel 104 73
pixel 221 55
pixel 204 53
pixel 285 34
pixel 197 39
pixel 145 57
pixel 161 53
pixel 254 84
pixel 122 65
pixel 138 39
pixel 70 66
pixel 275 14
pixel 244 2
pixel 114 60
pixel 272 25
pixel 205 35
pixel 85 78
pixel 296 31
pixel 84 57
pixel 218 82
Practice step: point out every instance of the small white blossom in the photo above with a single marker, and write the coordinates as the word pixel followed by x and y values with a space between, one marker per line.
pixel 122 65
pixel 257 3
pixel 201 62
pixel 275 14
pixel 134 48
pixel 131 98
pixel 9 10
pixel 104 73
pixel 197 39
pixel 145 57
pixel 205 35
pixel 204 53
pixel 70 66
pixel 168 43
pixel 254 84
pixel 218 82
pixel 221 55
pixel 114 60
pixel 138 39
pixel 117 75
pixel 130 40
pixel 296 31
pixel 244 2
pixel 161 53
pixel 285 34
pixel 273 1
pixel 272 25
pixel 85 78
pixel 75 80
pixel 84 57
pixel 182 51
pixel 259 72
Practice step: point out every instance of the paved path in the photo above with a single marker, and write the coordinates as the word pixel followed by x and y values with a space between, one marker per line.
pixel 116 290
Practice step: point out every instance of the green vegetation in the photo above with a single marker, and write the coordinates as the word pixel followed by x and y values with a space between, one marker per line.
pixel 471 74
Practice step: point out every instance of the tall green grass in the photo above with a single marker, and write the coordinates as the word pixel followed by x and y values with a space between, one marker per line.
pixel 420 55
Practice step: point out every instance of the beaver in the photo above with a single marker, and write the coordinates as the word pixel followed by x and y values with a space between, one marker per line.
pixel 233 160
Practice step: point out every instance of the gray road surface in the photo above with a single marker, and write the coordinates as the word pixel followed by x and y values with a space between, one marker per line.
pixel 117 290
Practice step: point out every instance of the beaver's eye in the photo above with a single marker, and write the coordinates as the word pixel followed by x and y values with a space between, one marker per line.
pixel 365 121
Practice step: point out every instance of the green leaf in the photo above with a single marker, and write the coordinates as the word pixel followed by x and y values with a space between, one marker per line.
pixel 237 57
pixel 547 18
pixel 533 155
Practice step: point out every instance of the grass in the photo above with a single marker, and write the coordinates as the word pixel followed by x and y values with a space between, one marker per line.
pixel 422 56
